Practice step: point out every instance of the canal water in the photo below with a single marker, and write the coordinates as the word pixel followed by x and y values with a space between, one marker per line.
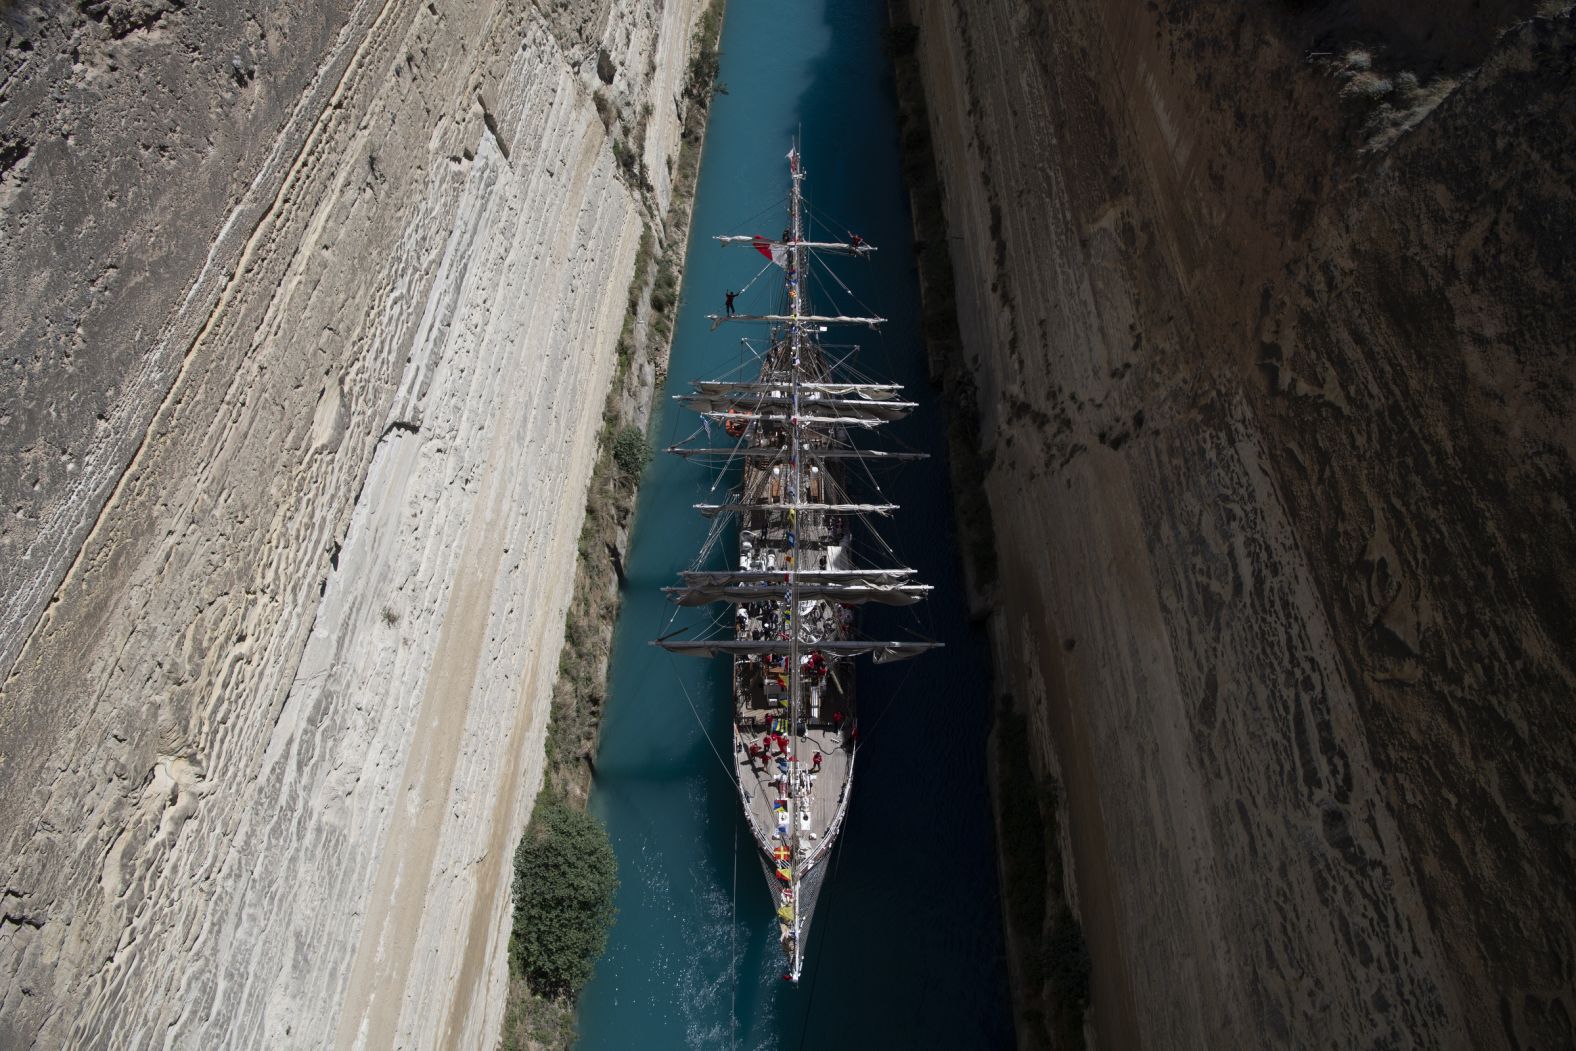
pixel 906 948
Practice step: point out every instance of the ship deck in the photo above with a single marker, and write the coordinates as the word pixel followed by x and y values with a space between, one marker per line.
pixel 761 779
pixel 761 684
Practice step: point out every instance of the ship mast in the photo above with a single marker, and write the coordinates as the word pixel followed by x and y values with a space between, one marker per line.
pixel 796 494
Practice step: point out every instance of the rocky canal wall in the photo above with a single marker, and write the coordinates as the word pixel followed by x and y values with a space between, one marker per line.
pixel 1268 312
pixel 310 312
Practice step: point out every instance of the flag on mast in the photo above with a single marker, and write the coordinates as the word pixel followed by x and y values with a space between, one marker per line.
pixel 772 250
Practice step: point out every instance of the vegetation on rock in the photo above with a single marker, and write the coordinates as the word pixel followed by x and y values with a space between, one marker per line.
pixel 565 877
pixel 1049 952
pixel 1067 966
pixel 630 452
pixel 705 60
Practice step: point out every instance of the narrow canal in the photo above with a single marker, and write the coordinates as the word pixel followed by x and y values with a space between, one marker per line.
pixel 906 949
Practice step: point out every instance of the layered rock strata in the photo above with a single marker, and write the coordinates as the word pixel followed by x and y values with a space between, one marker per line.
pixel 310 317
pixel 1269 314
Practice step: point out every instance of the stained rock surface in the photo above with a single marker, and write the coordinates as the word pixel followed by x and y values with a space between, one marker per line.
pixel 1269 311
pixel 310 310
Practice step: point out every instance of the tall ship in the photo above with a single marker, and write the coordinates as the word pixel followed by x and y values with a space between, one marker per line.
pixel 802 557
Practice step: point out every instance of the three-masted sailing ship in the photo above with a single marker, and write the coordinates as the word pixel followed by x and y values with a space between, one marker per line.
pixel 797 574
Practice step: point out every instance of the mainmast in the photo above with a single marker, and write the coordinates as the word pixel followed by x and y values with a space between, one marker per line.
pixel 796 290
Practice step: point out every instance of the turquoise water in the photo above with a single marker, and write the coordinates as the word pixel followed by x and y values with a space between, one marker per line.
pixel 906 948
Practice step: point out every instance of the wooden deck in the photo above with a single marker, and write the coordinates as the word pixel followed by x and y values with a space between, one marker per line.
pixel 819 794
pixel 790 801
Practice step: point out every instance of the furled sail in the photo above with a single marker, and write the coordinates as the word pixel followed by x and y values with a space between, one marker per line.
pixel 809 454
pixel 726 416
pixel 706 577
pixel 755 241
pixel 798 319
pixel 881 652
pixel 852 594
pixel 873 391
pixel 712 509
pixel 845 409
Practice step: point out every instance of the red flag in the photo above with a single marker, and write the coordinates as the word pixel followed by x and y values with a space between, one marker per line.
pixel 772 250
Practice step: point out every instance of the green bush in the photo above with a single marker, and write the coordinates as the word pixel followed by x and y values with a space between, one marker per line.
pixel 1025 872
pixel 1067 963
pixel 704 64
pixel 629 451
pixel 624 153
pixel 665 290
pixel 565 877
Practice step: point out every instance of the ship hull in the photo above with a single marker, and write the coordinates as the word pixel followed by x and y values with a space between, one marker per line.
pixel 793 582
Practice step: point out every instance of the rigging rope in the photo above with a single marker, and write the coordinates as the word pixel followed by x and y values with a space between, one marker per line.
pixel 865 732
pixel 733 915
pixel 757 277
pixel 733 944
pixel 815 969
pixel 775 206
pixel 845 288
pixel 824 219
pixel 829 297
pixel 733 775
pixel 732 455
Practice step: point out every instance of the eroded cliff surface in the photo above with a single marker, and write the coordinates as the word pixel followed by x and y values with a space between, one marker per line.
pixel 310 311
pixel 1269 314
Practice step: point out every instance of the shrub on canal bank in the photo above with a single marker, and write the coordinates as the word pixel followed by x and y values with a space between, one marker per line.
pixel 630 452
pixel 1049 947
pixel 1067 964
pixel 565 877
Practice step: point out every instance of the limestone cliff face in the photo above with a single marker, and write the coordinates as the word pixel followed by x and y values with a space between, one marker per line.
pixel 309 314
pixel 1270 314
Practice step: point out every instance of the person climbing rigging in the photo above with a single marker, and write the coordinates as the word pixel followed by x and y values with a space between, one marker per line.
pixel 729 299
pixel 855 242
